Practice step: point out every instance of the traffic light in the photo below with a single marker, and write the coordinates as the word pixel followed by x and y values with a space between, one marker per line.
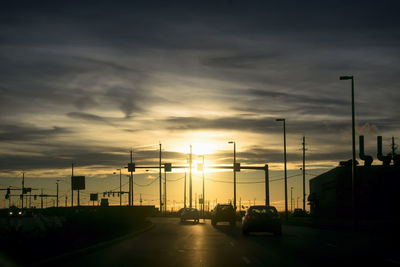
pixel 131 167
pixel 104 194
pixel 113 194
pixel 34 197
pixel 21 197
pixel 237 167
pixel 168 167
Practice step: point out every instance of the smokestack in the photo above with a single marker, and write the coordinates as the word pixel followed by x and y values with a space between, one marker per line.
pixel 366 158
pixel 385 159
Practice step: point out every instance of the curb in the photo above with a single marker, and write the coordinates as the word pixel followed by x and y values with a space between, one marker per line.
pixel 90 249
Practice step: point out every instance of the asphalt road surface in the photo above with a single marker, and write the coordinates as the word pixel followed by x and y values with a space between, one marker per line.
pixel 172 243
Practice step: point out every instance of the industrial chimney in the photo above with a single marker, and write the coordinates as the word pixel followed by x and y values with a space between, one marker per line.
pixel 385 159
pixel 366 158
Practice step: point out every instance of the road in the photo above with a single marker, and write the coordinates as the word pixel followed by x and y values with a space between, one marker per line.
pixel 172 243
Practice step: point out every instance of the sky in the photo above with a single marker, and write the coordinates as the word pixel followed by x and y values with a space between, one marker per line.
pixel 87 81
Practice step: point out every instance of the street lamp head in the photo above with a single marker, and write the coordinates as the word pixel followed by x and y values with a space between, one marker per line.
pixel 346 77
pixel 114 173
pixel 280 119
pixel 231 142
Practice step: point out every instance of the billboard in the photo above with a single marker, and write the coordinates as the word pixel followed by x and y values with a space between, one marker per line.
pixel 94 197
pixel 78 182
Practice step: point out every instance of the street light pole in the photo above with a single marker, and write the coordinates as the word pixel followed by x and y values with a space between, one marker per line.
pixel 57 192
pixel 120 186
pixel 203 191
pixel 291 199
pixel 353 165
pixel 284 158
pixel 234 173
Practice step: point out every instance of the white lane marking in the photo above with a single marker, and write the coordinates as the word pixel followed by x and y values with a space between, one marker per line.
pixel 246 260
pixel 232 244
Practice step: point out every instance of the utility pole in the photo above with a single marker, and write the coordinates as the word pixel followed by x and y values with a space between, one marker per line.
pixel 353 163
pixel 203 191
pixel 23 182
pixel 284 159
pixel 304 173
pixel 184 192
pixel 141 199
pixel 72 189
pixel 165 190
pixel 66 201
pixel 41 199
pixel 291 199
pixel 160 181
pixel 190 178
pixel 266 185
pixel 130 200
pixel 57 192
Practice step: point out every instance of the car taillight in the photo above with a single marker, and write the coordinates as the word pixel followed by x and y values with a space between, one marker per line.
pixel 248 216
pixel 278 217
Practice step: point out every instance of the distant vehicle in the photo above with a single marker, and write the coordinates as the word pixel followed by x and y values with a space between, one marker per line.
pixel 262 219
pixel 13 211
pixel 190 214
pixel 223 213
pixel 104 202
pixel 28 213
pixel 299 213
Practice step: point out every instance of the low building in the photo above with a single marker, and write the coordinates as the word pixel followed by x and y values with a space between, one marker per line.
pixel 377 192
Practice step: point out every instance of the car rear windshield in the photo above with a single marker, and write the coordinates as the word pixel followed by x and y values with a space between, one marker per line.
pixel 226 208
pixel 264 210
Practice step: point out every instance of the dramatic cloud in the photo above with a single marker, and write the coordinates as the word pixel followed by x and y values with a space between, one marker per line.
pixel 88 81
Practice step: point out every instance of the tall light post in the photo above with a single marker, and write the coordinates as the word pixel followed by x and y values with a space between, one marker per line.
pixel 203 192
pixel 120 187
pixel 234 173
pixel 353 164
pixel 291 199
pixel 284 159
pixel 57 191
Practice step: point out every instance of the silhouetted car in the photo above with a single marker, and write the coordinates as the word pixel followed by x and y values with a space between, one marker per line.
pixel 28 213
pixel 262 219
pixel 223 213
pixel 190 214
pixel 14 211
pixel 299 213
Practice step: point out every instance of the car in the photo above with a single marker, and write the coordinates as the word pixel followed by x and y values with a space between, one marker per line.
pixel 223 213
pixel 299 213
pixel 262 219
pixel 13 211
pixel 190 214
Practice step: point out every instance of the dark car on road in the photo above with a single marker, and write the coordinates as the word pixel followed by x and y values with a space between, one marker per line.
pixel 262 219
pixel 223 213
pixel 13 211
pixel 190 214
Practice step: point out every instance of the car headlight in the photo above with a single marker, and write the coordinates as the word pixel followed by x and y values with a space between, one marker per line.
pixel 19 212
pixel 10 212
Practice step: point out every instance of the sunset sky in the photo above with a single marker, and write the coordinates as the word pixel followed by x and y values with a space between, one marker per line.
pixel 88 82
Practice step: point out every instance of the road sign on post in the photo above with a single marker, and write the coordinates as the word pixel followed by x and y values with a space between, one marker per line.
pixel 94 197
pixel 78 182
